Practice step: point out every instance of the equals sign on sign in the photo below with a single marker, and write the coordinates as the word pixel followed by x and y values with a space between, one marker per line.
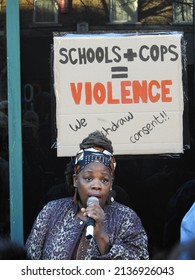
pixel 119 72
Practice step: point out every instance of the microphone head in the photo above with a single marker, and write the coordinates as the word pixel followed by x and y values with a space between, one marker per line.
pixel 92 199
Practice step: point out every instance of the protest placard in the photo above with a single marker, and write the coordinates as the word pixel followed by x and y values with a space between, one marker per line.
pixel 129 86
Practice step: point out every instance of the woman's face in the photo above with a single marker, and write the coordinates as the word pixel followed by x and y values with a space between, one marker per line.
pixel 94 180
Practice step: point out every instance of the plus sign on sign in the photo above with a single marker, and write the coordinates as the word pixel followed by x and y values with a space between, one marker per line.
pixel 127 86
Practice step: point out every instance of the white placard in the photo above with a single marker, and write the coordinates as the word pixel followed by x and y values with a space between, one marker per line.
pixel 128 86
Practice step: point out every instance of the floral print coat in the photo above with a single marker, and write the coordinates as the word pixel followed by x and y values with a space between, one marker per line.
pixel 57 230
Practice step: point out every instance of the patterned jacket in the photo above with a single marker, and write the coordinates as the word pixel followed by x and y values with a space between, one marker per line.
pixel 57 230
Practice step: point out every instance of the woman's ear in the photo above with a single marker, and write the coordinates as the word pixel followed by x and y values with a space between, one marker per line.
pixel 112 180
pixel 75 179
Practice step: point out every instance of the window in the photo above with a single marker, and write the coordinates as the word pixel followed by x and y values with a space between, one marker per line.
pixel 45 12
pixel 123 11
pixel 183 11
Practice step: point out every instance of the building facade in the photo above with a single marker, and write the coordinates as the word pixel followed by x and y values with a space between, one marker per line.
pixel 151 182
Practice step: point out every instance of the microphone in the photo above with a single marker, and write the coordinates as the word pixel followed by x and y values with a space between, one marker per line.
pixel 90 222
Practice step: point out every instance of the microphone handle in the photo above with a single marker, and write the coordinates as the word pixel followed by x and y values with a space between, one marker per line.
pixel 89 228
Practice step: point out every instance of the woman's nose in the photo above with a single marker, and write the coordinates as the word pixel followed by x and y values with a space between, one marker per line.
pixel 97 184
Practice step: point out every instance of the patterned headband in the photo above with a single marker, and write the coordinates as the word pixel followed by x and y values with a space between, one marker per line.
pixel 86 156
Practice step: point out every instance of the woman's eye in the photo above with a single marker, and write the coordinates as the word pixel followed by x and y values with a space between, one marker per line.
pixel 105 181
pixel 88 179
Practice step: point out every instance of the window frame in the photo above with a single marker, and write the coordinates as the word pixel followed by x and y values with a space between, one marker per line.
pixel 55 13
pixel 133 20
pixel 177 7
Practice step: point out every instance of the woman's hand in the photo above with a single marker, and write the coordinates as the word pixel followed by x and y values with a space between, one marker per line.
pixel 95 212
